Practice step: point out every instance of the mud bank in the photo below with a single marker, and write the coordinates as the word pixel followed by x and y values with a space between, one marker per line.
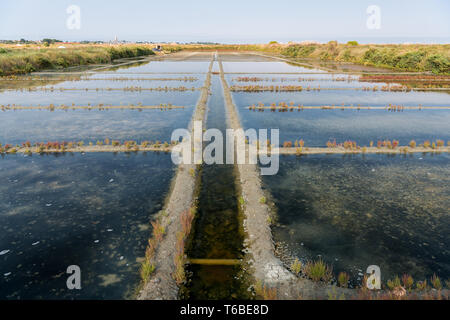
pixel 161 285
pixel 363 150
pixel 267 269
pixel 86 149
pixel 98 108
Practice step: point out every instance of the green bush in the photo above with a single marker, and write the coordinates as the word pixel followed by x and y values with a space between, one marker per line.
pixel 438 64
pixel 19 61
pixel 410 60
pixel 298 51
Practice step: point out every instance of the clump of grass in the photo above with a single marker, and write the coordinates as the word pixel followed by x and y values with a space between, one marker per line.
pixel 407 281
pixel 192 172
pixel 394 283
pixel 331 144
pixel 262 200
pixel 187 217
pixel 436 282
pixel 265 292
pixel 301 143
pixel 343 279
pixel 147 268
pixel 422 285
pixel 241 200
pixel 158 230
pixel 296 266
pixel 318 271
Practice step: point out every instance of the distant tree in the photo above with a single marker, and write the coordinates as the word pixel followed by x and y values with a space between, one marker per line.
pixel 48 41
pixel 352 43
pixel 273 42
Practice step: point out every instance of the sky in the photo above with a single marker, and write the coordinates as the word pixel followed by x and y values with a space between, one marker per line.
pixel 227 21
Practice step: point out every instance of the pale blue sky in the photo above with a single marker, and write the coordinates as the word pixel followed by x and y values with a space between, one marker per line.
pixel 227 20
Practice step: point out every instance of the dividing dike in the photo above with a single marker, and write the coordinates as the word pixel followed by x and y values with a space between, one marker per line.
pixel 162 285
pixel 215 269
pixel 267 270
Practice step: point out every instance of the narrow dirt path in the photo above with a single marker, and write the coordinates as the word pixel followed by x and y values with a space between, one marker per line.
pixel 162 285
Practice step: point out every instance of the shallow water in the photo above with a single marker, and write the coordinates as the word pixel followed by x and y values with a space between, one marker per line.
pixel 89 126
pixel 346 97
pixel 316 127
pixel 165 65
pixel 18 126
pixel 272 66
pixel 85 98
pixel 354 211
pixel 360 210
pixel 89 210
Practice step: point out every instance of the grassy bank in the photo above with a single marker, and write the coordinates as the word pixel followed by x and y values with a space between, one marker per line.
pixel 402 57
pixel 434 58
pixel 25 60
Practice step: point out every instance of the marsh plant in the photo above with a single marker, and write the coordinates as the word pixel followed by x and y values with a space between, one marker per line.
pixel 296 266
pixel 147 268
pixel 265 292
pixel 343 279
pixel 436 282
pixel 187 218
pixel 318 271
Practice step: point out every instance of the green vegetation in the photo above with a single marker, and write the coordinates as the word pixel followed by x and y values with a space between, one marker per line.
pixel 296 266
pixel 187 218
pixel 436 282
pixel 434 58
pixel 146 270
pixel 318 271
pixel 405 57
pixel 265 292
pixel 343 279
pixel 21 61
pixel 298 51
